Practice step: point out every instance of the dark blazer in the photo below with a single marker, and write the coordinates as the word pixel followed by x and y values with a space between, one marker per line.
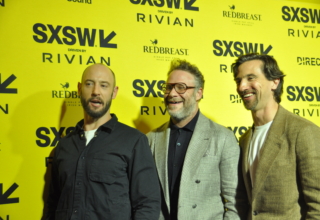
pixel 288 173
pixel 209 188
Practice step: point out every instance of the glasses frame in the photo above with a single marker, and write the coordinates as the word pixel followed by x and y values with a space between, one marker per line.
pixel 164 86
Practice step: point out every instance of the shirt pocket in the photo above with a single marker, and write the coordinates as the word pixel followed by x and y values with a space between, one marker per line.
pixel 108 173
pixel 107 167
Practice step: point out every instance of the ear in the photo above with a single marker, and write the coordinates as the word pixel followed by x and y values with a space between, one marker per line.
pixel 79 88
pixel 199 94
pixel 115 92
pixel 275 84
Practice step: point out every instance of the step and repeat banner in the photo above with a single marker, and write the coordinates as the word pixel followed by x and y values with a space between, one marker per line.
pixel 46 45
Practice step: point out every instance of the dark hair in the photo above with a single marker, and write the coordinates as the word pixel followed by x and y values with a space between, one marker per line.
pixel 184 65
pixel 270 69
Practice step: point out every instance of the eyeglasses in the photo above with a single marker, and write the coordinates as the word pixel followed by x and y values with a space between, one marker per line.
pixel 179 87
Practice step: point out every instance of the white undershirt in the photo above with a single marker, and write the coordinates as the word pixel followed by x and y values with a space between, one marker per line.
pixel 89 135
pixel 257 141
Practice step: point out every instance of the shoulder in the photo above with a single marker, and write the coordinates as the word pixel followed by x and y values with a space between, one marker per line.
pixel 159 129
pixel 151 135
pixel 212 126
pixel 293 121
pixel 128 131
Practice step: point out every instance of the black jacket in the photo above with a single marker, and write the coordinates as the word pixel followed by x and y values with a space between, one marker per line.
pixel 113 177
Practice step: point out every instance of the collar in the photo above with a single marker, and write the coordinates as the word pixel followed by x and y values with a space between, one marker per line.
pixel 190 126
pixel 109 126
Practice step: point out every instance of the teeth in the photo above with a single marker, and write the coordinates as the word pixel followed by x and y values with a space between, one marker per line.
pixel 248 95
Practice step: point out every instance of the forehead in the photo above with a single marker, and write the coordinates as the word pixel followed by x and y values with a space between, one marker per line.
pixel 98 73
pixel 250 67
pixel 180 76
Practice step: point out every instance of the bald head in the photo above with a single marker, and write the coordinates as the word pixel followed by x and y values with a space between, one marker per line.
pixel 96 91
pixel 99 70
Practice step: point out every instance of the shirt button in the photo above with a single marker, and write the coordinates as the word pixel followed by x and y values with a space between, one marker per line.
pixel 255 212
pixel 198 181
pixel 76 210
pixel 178 144
pixel 194 206
pixel 82 157
pixel 79 183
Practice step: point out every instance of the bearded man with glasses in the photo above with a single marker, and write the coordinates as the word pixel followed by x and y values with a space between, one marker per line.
pixel 196 158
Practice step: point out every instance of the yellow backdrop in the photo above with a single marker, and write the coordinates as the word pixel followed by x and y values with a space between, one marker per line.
pixel 45 46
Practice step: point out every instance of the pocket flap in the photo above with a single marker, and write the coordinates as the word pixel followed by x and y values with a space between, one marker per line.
pixel 98 177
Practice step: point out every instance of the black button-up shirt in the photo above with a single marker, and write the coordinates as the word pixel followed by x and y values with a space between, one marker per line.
pixel 178 145
pixel 113 177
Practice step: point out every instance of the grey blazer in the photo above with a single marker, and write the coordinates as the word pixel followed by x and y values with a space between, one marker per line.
pixel 211 186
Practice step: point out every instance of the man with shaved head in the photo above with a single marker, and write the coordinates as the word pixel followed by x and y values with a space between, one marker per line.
pixel 103 169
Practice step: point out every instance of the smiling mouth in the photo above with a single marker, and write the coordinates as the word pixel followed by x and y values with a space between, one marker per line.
pixel 174 102
pixel 247 95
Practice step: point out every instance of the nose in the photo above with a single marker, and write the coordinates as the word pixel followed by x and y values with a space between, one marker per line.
pixel 173 92
pixel 242 86
pixel 95 90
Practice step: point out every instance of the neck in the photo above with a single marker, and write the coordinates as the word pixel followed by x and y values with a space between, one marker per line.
pixel 94 123
pixel 185 121
pixel 263 116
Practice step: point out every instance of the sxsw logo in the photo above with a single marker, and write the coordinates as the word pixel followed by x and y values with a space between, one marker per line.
pixel 4 84
pixel 2 3
pixel 44 134
pixel 235 99
pixel 5 194
pixel 308 61
pixel 237 48
pixel 303 93
pixel 238 130
pixel 301 15
pixel 177 4
pixel 47 33
pixel 147 88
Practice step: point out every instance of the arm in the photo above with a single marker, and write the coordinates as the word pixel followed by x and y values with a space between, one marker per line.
pixel 308 162
pixel 54 192
pixel 232 185
pixel 144 183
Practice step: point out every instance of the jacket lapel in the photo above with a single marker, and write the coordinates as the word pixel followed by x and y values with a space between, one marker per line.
pixel 198 148
pixel 245 146
pixel 270 149
pixel 161 160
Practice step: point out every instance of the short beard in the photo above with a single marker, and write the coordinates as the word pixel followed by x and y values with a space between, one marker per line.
pixel 251 107
pixel 186 111
pixel 247 105
pixel 180 116
pixel 92 113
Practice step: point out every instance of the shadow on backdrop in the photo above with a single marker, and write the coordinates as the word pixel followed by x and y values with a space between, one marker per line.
pixel 71 113
pixel 152 114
